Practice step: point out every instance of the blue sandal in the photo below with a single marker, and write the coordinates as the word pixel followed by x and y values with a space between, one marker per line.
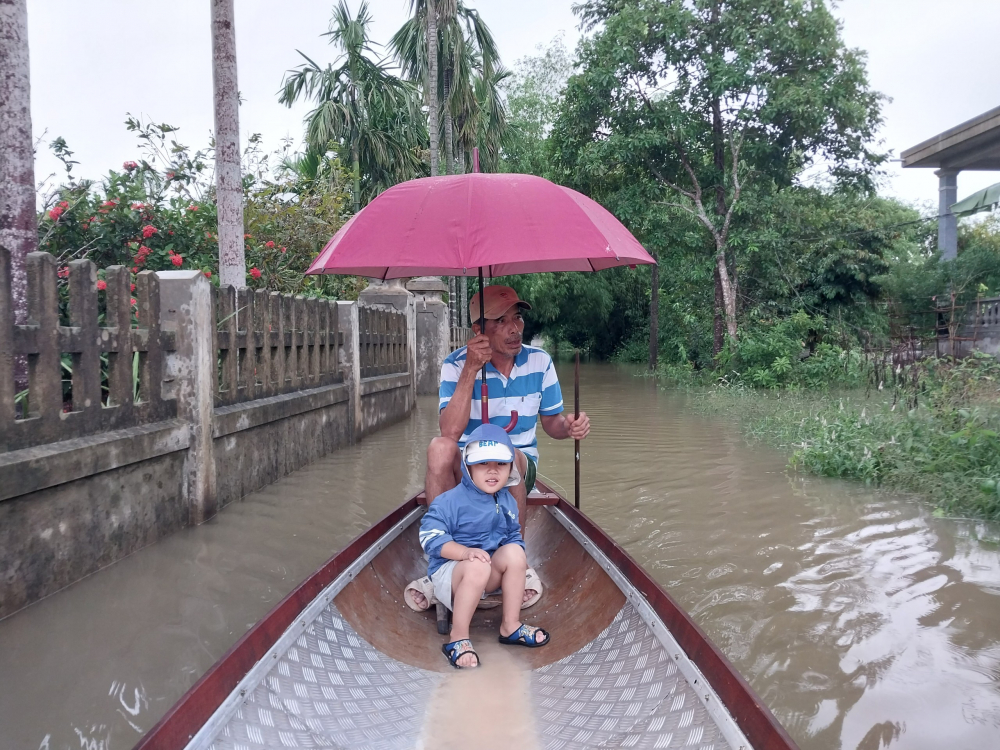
pixel 526 635
pixel 457 649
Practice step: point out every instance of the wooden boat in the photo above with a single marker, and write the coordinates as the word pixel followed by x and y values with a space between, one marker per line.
pixel 342 662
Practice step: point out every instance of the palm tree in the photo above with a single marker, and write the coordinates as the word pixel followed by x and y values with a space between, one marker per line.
pixel 228 175
pixel 464 45
pixel 361 109
pixel 18 229
pixel 431 33
pixel 484 120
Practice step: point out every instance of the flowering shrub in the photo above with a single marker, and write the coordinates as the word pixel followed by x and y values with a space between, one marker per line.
pixel 158 213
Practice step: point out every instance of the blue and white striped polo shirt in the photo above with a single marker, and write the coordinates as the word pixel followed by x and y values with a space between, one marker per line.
pixel 531 389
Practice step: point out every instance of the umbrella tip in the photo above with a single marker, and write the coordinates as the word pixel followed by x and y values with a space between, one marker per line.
pixel 475 159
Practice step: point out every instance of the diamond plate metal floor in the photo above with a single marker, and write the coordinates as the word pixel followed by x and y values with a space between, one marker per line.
pixel 621 690
pixel 333 690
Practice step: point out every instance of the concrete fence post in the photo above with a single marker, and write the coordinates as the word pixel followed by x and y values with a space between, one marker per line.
pixel 350 361
pixel 186 308
pixel 432 331
pixel 411 349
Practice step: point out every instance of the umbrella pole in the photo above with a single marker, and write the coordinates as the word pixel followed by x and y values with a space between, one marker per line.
pixel 576 443
pixel 484 392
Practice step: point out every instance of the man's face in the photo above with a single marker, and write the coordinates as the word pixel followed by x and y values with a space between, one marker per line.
pixel 505 332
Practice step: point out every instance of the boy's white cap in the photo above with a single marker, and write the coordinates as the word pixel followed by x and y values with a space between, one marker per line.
pixel 481 451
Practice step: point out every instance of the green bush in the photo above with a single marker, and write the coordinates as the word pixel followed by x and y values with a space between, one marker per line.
pixel 945 448
pixel 159 213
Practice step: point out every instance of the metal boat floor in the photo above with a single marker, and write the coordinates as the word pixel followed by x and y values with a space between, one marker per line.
pixel 332 689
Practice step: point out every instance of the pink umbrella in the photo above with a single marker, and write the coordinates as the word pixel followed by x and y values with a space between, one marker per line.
pixel 460 224
pixel 503 223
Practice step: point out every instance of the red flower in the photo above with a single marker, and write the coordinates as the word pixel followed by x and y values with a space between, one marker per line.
pixel 255 272
pixel 130 165
pixel 177 260
pixel 171 252
pixel 170 175
pixel 137 206
pixel 110 203
pixel 63 204
pixel 85 225
pixel 248 236
pixel 63 272
pixel 134 302
pixel 135 269
pixel 207 274
pixel 55 213
pixel 149 230
pixel 192 207
pixel 269 244
pixel 131 287
pixel 284 249
pixel 143 251
pixel 101 285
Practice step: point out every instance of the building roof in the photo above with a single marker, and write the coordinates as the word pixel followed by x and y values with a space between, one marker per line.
pixel 973 145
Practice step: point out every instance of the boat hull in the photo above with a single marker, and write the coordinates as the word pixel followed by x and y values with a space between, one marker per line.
pixel 343 662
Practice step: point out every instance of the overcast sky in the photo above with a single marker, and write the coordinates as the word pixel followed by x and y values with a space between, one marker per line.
pixel 93 61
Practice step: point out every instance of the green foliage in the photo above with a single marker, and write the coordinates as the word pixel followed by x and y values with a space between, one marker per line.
pixel 534 95
pixel 946 449
pixel 919 281
pixel 470 76
pixel 158 213
pixel 367 116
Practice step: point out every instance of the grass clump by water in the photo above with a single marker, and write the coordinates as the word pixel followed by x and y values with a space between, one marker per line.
pixel 936 433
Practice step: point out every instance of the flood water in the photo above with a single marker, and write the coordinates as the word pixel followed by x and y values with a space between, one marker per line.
pixel 861 620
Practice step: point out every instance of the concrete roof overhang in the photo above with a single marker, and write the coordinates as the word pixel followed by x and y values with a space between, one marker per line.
pixel 973 145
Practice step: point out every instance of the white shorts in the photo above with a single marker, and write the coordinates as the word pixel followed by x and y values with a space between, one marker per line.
pixel 442 582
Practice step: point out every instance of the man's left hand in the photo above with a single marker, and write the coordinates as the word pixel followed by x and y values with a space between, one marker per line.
pixel 578 427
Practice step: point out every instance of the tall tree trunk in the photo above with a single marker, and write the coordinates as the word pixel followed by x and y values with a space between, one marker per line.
pixel 18 222
pixel 356 173
pixel 654 317
pixel 728 292
pixel 725 292
pixel 449 126
pixel 432 81
pixel 718 324
pixel 228 178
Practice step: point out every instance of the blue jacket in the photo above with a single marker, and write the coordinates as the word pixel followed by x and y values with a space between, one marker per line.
pixel 469 516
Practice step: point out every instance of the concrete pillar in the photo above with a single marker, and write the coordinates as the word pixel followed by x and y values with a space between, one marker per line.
pixel 391 293
pixel 411 350
pixel 186 308
pixel 350 361
pixel 432 331
pixel 947 222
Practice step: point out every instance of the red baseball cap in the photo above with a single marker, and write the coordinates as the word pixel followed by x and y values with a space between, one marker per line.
pixel 498 300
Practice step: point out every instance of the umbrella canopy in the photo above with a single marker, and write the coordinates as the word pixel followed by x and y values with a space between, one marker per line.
pixel 503 223
pixel 984 200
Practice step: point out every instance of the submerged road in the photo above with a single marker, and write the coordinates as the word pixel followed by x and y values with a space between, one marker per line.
pixel 862 621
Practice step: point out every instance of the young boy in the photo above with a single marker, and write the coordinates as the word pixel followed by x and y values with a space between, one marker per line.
pixel 472 537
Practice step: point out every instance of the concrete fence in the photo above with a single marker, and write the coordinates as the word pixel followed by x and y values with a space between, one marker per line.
pixel 147 411
pixel 976 328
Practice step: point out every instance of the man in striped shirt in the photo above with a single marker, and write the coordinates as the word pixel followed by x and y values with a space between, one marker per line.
pixel 520 378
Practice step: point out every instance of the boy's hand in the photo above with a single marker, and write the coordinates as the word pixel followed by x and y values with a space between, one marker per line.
pixel 476 554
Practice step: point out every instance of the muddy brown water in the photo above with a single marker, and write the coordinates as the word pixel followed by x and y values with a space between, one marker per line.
pixel 861 620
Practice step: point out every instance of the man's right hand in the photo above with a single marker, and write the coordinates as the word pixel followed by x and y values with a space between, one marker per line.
pixel 478 352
